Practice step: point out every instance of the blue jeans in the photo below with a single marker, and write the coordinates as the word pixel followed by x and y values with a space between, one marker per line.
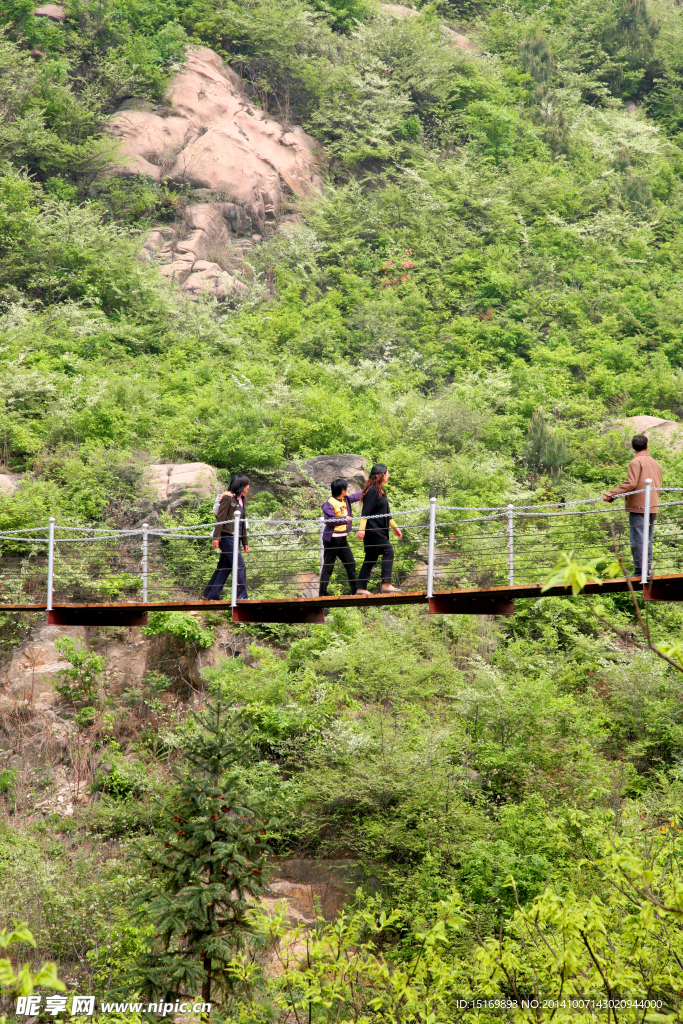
pixel 215 585
pixel 636 529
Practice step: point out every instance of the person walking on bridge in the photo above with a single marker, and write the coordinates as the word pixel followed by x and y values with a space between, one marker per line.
pixel 230 502
pixel 374 531
pixel 337 513
pixel 641 468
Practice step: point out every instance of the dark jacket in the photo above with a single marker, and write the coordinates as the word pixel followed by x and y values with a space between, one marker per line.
pixel 225 519
pixel 374 506
pixel 333 521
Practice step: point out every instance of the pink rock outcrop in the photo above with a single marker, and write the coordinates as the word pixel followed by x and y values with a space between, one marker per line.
pixel 213 137
pixel 55 12
pixel 655 429
pixel 184 250
pixel 167 481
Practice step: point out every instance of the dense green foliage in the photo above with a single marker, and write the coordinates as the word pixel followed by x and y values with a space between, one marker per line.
pixel 22 983
pixel 489 282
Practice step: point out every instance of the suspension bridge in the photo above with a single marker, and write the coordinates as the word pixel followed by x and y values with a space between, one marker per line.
pixel 456 560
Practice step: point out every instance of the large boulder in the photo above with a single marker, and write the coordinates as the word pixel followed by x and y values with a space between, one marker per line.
pixel 9 482
pixel 55 12
pixel 212 136
pixel 210 279
pixel 654 428
pixel 33 669
pixel 323 469
pixel 167 484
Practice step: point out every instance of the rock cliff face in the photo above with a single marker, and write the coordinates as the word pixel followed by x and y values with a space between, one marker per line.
pixel 655 429
pixel 211 136
pixel 166 483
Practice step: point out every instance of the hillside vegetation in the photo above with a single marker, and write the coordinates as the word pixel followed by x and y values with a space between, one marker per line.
pixel 497 255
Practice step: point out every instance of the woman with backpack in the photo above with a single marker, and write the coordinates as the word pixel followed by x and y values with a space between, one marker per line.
pixel 230 502
pixel 375 524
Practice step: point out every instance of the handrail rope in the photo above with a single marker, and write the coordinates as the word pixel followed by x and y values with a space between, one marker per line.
pixel 27 530
pixel 549 504
pixel 407 512
pixel 301 531
pixel 498 512
pixel 25 540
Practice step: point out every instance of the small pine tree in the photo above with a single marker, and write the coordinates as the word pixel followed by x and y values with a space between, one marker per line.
pixel 205 873
pixel 546 450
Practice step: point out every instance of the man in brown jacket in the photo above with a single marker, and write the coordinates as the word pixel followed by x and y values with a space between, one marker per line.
pixel 641 468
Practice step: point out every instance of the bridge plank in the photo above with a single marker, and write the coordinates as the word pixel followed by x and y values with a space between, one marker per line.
pixel 464 601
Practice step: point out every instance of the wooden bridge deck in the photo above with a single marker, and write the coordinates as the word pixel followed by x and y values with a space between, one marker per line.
pixel 470 601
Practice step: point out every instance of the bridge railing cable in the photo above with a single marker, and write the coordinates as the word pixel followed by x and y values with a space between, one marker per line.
pixel 443 547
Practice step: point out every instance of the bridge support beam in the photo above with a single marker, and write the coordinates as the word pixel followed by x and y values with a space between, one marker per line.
pixel 467 603
pixel 664 589
pixel 284 613
pixel 96 617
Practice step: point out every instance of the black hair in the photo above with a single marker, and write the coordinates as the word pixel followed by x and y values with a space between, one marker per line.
pixel 338 485
pixel 238 483
pixel 639 443
pixel 375 479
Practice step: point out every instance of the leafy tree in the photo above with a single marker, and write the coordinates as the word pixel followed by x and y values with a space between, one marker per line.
pixel 564 947
pixel 78 684
pixel 208 871
pixel 23 982
pixel 624 946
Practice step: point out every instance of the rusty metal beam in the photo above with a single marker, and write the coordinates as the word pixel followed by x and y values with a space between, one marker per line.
pixel 244 612
pixel 96 617
pixel 466 603
pixel 664 588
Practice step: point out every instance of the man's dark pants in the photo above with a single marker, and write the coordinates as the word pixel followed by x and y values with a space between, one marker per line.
pixel 337 547
pixel 215 585
pixel 376 546
pixel 636 530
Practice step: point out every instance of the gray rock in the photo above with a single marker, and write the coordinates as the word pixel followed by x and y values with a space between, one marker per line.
pixel 280 482
pixel 323 469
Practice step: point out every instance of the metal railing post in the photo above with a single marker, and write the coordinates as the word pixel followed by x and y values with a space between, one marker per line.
pixel 644 564
pixel 430 556
pixel 50 562
pixel 145 552
pixel 511 548
pixel 235 559
pixel 322 546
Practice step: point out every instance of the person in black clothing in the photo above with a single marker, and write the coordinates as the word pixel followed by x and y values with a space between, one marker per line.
pixel 231 501
pixel 374 532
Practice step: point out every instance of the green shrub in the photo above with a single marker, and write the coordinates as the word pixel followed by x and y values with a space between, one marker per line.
pixel 79 683
pixel 180 625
